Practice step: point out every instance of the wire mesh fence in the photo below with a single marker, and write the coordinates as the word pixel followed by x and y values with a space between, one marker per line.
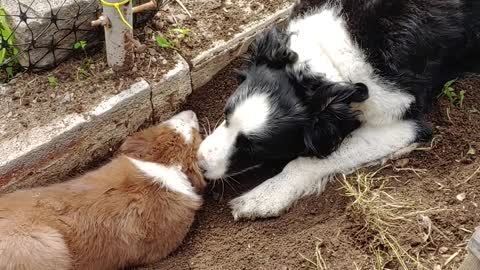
pixel 40 34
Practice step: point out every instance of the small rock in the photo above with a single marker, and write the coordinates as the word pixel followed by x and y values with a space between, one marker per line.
pixel 5 90
pixel 443 250
pixel 9 114
pixel 181 17
pixel 153 59
pixel 461 196
pixel 164 62
pixel 66 98
pixel 437 267
pixel 170 19
pixel 140 48
pixel 148 30
pixel 25 101
pixel 134 69
pixel 152 51
pixel 52 95
pixel 401 163
pixel 158 25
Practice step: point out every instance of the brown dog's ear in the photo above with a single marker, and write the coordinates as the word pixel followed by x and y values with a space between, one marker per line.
pixel 194 172
pixel 133 146
pixel 195 176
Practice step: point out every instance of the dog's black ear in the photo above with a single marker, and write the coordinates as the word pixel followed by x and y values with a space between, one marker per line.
pixel 331 116
pixel 271 48
pixel 241 75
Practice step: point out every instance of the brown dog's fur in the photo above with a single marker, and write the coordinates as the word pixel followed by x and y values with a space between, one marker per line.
pixel 110 218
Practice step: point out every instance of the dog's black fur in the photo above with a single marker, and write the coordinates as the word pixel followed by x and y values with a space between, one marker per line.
pixel 416 44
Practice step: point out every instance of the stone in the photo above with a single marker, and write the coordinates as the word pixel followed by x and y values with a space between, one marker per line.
pixel 181 17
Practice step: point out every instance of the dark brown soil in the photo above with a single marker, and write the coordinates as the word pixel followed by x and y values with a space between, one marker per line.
pixel 217 242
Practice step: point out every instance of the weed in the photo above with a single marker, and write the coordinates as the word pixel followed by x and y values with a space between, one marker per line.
pixel 453 97
pixel 164 42
pixel 52 81
pixel 80 45
pixel 385 217
pixel 174 37
pixel 84 69
pixel 181 32
pixel 7 49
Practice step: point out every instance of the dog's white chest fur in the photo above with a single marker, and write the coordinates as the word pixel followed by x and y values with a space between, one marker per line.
pixel 324 46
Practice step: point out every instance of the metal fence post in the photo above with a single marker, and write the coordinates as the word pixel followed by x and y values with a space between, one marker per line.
pixel 118 33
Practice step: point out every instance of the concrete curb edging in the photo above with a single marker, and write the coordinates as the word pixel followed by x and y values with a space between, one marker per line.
pixel 50 153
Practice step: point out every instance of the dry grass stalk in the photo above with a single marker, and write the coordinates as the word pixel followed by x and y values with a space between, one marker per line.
pixel 317 263
pixel 384 215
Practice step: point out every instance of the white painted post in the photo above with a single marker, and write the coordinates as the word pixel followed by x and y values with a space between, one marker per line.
pixel 119 35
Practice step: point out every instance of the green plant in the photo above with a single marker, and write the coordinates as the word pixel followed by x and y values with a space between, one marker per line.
pixel 81 44
pixel 7 49
pixel 53 81
pixel 84 69
pixel 453 97
pixel 173 38
pixel 164 42
pixel 181 32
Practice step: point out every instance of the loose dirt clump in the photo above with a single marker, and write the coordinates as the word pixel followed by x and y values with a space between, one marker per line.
pixel 434 191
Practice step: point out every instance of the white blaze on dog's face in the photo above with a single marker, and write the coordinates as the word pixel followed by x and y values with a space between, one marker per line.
pixel 183 123
pixel 248 118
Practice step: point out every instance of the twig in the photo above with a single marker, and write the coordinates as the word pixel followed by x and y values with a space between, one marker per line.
pixel 451 258
pixel 184 8
pixel 469 178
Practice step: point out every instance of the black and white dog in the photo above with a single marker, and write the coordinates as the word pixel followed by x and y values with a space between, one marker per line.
pixel 345 85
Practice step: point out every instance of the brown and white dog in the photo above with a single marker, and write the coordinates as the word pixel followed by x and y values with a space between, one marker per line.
pixel 133 211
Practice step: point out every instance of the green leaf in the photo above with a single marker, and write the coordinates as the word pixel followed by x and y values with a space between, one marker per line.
pixel 81 44
pixel 7 55
pixel 163 42
pixel 183 31
pixel 53 81
pixel 449 83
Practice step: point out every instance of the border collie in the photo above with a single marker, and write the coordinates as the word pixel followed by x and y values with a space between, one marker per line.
pixel 346 84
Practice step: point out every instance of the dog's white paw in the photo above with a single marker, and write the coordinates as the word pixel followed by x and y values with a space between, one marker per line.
pixel 252 207
pixel 270 199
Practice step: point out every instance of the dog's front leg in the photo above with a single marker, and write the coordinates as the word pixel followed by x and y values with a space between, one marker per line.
pixel 304 176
